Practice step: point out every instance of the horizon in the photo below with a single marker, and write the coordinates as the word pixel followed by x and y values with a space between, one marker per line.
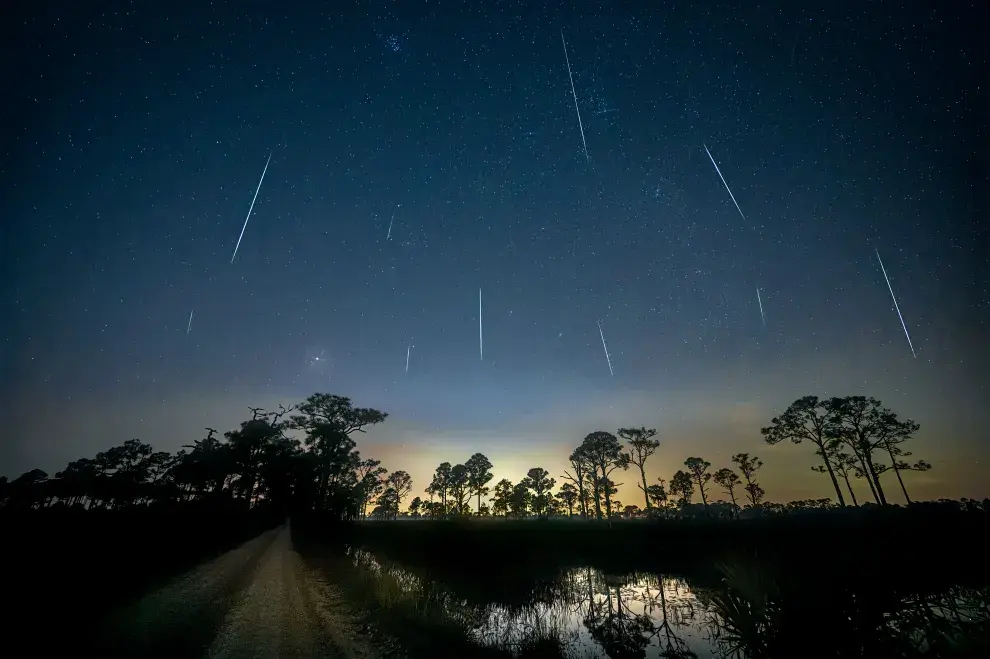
pixel 786 474
pixel 682 220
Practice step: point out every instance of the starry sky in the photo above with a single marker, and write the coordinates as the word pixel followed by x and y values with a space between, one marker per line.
pixel 421 151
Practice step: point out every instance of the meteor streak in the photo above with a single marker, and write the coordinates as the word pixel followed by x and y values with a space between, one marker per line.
pixel 389 236
pixel 889 287
pixel 760 300
pixel 724 183
pixel 607 358
pixel 408 348
pixel 250 209
pixel 189 324
pixel 481 338
pixel 574 94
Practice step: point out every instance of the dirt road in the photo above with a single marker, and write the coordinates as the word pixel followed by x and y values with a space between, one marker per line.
pixel 258 601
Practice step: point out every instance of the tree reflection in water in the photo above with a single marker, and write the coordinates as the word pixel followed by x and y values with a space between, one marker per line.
pixel 655 599
pixel 602 615
pixel 586 613
pixel 621 633
pixel 754 616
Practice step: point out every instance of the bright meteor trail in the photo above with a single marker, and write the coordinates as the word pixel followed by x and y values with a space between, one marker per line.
pixel 574 93
pixel 390 222
pixel 891 289
pixel 481 338
pixel 607 358
pixel 250 209
pixel 189 324
pixel 760 300
pixel 723 182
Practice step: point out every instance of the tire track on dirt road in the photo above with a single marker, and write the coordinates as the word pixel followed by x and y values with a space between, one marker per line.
pixel 257 601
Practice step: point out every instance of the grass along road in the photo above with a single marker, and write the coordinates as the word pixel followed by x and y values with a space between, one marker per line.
pixel 260 600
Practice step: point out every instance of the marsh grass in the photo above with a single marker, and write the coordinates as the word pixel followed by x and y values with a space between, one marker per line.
pixel 761 613
pixel 862 583
pixel 423 617
pixel 496 548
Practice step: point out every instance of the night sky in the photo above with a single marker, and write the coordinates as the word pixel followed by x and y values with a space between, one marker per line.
pixel 133 141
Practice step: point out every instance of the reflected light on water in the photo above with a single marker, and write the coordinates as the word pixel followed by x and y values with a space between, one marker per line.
pixel 584 613
pixel 591 614
pixel 599 615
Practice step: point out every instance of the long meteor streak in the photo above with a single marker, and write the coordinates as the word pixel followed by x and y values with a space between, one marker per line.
pixel 723 182
pixel 481 337
pixel 408 348
pixel 574 94
pixel 250 209
pixel 607 358
pixel 760 300
pixel 189 324
pixel 894 298
pixel 389 236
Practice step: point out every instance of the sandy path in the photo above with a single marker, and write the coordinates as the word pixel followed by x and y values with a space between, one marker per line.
pixel 288 611
pixel 258 601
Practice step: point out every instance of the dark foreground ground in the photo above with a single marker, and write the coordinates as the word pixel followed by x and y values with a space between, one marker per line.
pixel 918 542
pixel 251 585
pixel 859 583
pixel 69 568
pixel 257 599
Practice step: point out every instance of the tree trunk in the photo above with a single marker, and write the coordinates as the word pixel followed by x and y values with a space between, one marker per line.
pixel 831 474
pixel 850 488
pixel 869 481
pixel 875 477
pixel 897 472
pixel 749 489
pixel 867 471
pixel 597 492
pixel 579 482
pixel 646 494
pixel 866 464
pixel 735 506
pixel 704 498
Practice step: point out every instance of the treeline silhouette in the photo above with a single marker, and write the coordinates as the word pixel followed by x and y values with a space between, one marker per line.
pixel 261 464
pixel 852 436
pixel 107 528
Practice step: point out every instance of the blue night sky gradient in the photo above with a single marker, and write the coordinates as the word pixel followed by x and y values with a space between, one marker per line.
pixel 134 141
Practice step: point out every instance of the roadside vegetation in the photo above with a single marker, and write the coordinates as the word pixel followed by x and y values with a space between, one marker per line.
pixel 106 528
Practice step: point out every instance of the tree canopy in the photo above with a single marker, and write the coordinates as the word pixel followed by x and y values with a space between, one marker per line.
pixel 306 458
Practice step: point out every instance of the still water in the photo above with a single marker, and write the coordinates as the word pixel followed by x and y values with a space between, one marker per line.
pixel 597 615
pixel 586 613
